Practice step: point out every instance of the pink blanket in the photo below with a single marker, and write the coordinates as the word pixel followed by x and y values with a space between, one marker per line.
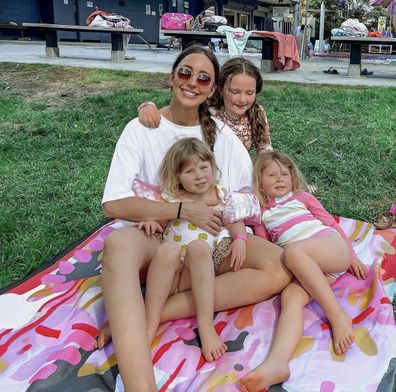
pixel 48 325
pixel 285 50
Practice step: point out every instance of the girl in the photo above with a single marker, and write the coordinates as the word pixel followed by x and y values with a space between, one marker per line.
pixel 128 251
pixel 234 103
pixel 188 174
pixel 316 251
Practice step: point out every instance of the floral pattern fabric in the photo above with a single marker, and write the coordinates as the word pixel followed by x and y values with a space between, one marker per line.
pixel 242 128
pixel 49 322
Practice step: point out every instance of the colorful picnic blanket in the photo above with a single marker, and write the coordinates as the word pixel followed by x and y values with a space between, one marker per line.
pixel 49 321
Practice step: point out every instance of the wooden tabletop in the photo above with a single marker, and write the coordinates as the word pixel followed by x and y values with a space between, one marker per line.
pixel 46 26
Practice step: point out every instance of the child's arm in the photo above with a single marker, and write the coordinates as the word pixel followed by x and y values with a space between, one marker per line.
pixel 314 205
pixel 149 115
pixel 237 249
pixel 151 227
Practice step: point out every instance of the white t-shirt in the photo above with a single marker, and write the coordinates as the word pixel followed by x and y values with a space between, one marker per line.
pixel 140 150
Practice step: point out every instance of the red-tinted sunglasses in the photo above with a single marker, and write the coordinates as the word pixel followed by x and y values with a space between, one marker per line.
pixel 203 79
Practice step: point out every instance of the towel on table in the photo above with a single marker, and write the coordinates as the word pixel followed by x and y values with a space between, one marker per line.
pixel 285 50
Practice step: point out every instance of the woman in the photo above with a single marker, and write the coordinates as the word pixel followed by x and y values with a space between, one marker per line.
pixel 128 251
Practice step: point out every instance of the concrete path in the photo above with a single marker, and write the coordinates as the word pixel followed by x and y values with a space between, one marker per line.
pixel 97 55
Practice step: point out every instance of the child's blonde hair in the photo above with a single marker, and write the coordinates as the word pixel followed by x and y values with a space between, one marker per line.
pixel 262 161
pixel 177 157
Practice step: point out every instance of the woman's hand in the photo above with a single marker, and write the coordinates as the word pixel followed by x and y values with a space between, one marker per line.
pixel 358 269
pixel 150 227
pixel 238 253
pixel 200 213
pixel 149 115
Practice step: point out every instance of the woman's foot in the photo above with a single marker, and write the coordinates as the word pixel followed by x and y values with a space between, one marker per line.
pixel 267 374
pixel 104 336
pixel 342 332
pixel 212 346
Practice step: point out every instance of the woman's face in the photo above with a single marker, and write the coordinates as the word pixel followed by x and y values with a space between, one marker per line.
pixel 190 80
pixel 239 94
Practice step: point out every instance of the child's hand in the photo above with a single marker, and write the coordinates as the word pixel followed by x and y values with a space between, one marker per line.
pixel 150 227
pixel 358 269
pixel 238 254
pixel 149 115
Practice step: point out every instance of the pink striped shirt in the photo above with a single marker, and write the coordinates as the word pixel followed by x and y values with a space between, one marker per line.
pixel 296 217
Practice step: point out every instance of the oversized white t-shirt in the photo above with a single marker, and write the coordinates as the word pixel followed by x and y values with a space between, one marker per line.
pixel 140 150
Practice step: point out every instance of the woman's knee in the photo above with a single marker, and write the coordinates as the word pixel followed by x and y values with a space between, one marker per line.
pixel 125 245
pixel 264 255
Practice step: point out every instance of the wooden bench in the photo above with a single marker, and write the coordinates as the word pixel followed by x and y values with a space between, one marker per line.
pixel 192 36
pixel 355 60
pixel 51 37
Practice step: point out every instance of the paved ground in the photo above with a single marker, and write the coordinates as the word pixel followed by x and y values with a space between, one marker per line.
pixel 160 60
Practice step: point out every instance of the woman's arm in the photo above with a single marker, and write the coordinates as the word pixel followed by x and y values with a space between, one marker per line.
pixel 137 209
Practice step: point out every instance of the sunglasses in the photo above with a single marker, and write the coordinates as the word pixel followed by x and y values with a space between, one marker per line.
pixel 185 74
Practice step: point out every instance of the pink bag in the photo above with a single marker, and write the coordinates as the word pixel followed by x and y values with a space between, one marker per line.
pixel 176 21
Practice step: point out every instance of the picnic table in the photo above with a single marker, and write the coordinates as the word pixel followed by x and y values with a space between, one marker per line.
pixel 51 37
pixel 191 36
pixel 355 61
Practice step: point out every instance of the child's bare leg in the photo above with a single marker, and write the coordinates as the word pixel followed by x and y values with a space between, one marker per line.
pixel 308 260
pixel 200 264
pixel 160 276
pixel 275 368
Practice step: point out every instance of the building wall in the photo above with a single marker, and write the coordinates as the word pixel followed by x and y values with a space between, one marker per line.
pixel 143 14
pixel 17 11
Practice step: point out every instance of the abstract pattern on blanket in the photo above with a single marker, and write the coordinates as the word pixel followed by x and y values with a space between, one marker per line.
pixel 49 321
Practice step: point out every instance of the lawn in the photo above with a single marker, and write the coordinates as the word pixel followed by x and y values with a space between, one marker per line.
pixel 59 126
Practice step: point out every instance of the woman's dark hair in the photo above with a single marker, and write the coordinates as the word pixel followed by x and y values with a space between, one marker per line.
pixel 256 116
pixel 205 119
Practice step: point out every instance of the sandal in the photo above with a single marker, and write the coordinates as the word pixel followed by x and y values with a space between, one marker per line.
pixel 331 71
pixel 366 72
pixel 385 220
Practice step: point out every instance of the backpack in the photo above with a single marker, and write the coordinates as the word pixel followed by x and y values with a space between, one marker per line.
pixel 176 21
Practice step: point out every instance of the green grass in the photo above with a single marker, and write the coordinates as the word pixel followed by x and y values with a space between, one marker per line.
pixel 59 126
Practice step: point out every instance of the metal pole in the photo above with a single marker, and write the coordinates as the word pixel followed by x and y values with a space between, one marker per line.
pixel 321 26
pixel 296 16
pixel 304 39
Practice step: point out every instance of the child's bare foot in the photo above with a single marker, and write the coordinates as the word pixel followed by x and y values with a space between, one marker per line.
pixel 342 332
pixel 104 336
pixel 212 346
pixel 267 374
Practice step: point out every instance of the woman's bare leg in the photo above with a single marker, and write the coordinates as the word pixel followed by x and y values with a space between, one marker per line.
pixel 263 275
pixel 126 252
pixel 160 279
pixel 200 264
pixel 309 260
pixel 275 368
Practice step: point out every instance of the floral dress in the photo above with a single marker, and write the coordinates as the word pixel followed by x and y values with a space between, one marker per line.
pixel 242 128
